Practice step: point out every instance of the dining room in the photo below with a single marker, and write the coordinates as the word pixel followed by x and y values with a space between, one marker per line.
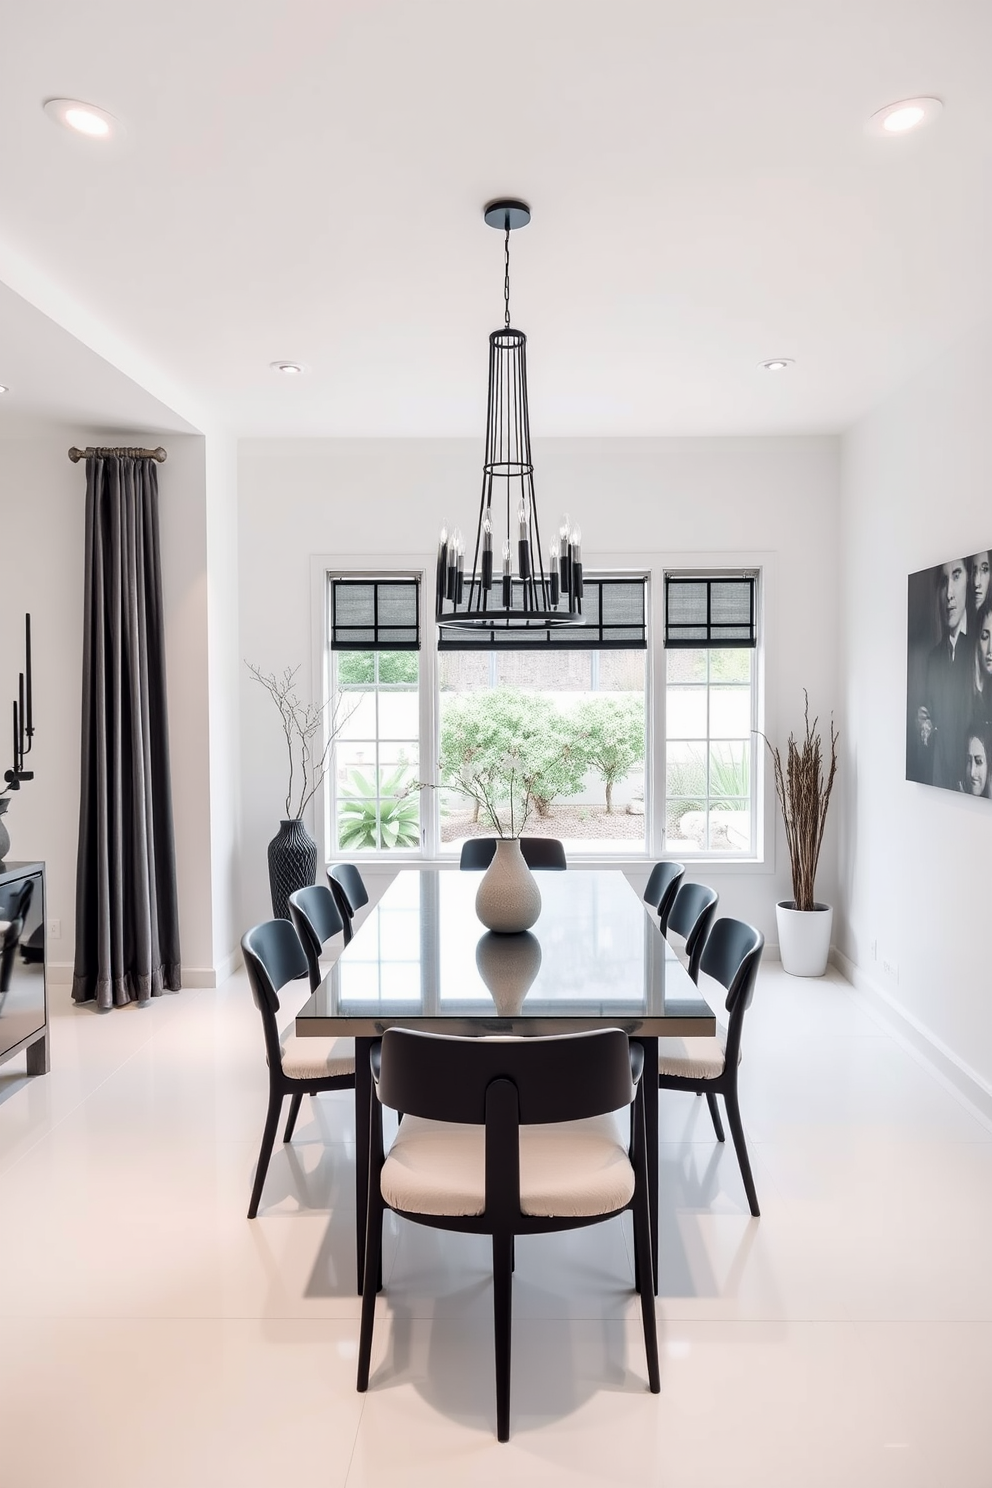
pixel 759 357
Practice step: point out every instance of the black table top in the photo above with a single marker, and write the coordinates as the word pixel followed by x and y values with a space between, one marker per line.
pixel 422 959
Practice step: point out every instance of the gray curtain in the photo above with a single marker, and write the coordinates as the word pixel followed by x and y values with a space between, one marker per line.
pixel 127 921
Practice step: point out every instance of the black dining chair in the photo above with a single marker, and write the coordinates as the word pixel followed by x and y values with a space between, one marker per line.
pixel 348 888
pixel 708 1066
pixel 317 919
pixel 297 1066
pixel 662 886
pixel 538 852
pixel 508 1137
pixel 691 916
pixel 661 889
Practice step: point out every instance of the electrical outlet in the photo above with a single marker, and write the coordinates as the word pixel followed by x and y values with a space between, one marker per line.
pixel 874 950
pixel 891 968
pixel 55 929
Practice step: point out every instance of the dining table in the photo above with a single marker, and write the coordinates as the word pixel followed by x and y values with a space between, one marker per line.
pixel 595 958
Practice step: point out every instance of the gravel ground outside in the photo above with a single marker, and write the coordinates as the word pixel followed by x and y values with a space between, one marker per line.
pixel 565 822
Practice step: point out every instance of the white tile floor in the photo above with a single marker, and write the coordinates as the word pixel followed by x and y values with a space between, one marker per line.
pixel 150 1335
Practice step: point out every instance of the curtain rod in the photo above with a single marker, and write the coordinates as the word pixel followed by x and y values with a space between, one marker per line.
pixel 75 455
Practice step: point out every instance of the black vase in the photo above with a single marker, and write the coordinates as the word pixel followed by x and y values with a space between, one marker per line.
pixel 292 864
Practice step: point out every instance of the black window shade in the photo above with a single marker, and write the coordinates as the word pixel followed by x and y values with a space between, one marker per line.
pixel 708 611
pixel 613 612
pixel 375 614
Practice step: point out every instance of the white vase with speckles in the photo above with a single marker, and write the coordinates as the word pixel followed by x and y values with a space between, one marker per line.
pixel 508 900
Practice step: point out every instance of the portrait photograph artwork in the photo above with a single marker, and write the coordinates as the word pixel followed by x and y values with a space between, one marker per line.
pixel 949 676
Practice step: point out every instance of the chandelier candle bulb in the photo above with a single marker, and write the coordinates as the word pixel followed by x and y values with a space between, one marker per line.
pixel 449 578
pixel 507 577
pixel 553 576
pixel 460 573
pixel 442 569
pixel 487 554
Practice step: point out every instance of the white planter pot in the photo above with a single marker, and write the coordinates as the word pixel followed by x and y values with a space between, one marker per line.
pixel 804 937
pixel 508 899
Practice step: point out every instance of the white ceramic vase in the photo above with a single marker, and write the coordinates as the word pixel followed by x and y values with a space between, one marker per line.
pixel 804 937
pixel 508 900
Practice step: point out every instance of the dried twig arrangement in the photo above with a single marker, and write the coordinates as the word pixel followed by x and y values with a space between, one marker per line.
pixel 804 796
pixel 302 725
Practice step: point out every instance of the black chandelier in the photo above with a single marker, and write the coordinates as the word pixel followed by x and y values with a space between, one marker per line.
pixel 525 597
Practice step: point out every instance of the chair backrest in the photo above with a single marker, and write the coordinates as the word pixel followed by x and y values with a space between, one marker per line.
pixel 351 884
pixel 691 916
pixel 348 888
pixel 731 956
pixel 445 1078
pixel 662 886
pixel 316 917
pixel 273 956
pixel 538 852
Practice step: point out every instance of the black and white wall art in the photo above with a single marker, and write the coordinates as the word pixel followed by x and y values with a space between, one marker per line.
pixel 949 676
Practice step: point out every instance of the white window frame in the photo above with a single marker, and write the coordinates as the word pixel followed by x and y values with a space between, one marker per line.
pixel 655 566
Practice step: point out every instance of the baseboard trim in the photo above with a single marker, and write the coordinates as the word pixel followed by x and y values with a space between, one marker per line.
pixel 920 1040
pixel 193 977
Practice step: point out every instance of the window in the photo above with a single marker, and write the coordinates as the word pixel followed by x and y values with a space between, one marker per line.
pixel 416 722
pixel 375 663
pixel 710 718
pixel 573 721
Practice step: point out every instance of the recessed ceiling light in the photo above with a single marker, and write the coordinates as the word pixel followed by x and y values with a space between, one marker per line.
pixel 901 117
pixel 289 369
pixel 4 389
pixel 82 118
pixel 777 364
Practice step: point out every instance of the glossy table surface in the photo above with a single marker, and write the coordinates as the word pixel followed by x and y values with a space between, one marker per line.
pixel 422 959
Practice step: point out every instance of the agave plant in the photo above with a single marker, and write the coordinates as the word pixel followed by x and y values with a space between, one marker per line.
pixel 374 812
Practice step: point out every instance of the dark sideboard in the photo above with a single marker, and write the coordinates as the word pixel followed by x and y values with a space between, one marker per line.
pixel 23 987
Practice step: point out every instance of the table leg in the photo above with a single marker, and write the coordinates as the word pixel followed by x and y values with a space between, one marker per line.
pixel 649 1080
pixel 38 1056
pixel 363 1095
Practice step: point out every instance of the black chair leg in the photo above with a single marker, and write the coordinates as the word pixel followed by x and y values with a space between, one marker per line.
pixel 502 1322
pixel 643 1267
pixel 737 1132
pixel 715 1114
pixel 372 1276
pixel 265 1151
pixel 294 1110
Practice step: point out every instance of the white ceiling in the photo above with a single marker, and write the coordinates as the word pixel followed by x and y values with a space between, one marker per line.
pixel 305 180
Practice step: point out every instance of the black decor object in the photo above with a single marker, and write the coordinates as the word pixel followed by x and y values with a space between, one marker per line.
pixel 127 909
pixel 509 590
pixel 292 864
pixel 23 717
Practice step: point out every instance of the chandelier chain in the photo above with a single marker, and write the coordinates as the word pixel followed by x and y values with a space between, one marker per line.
pixel 506 277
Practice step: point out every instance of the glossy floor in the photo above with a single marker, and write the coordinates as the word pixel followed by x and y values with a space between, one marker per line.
pixel 151 1335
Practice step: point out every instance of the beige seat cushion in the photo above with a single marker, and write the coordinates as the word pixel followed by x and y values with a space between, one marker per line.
pixel 567 1169
pixel 314 1059
pixel 693 1058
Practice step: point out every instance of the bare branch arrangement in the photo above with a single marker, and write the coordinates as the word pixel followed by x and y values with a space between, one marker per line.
pixel 804 796
pixel 501 792
pixel 304 727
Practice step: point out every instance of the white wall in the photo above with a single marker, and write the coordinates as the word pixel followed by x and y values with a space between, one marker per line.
pixel 223 720
pixel 725 499
pixel 42 501
pixel 917 490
